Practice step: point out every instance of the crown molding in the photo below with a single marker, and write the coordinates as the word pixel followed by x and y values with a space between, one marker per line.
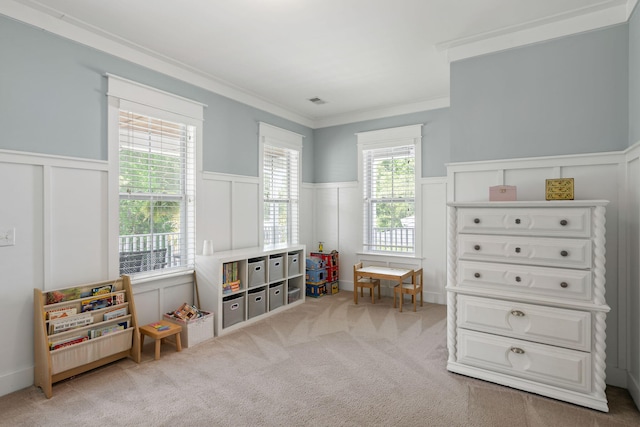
pixel 396 110
pixel 79 32
pixel 606 13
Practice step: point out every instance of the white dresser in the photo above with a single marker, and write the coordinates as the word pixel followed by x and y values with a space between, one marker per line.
pixel 526 296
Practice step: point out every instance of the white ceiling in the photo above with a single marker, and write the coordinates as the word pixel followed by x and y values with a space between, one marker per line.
pixel 365 58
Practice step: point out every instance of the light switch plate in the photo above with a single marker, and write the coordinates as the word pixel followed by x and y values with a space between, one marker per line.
pixel 7 237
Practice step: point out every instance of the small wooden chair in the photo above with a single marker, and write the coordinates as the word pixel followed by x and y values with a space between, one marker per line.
pixel 363 282
pixel 414 288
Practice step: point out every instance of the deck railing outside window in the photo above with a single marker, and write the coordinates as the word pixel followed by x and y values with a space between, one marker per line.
pixel 143 252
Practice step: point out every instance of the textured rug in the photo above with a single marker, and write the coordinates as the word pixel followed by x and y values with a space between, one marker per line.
pixel 327 362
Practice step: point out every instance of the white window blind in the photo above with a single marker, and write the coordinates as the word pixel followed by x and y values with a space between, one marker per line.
pixel 281 194
pixel 157 188
pixel 389 198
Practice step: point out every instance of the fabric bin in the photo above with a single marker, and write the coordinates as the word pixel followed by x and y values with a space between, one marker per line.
pixel 256 272
pixel 256 302
pixel 294 264
pixel 194 331
pixel 232 310
pixel 292 295
pixel 276 269
pixel 276 295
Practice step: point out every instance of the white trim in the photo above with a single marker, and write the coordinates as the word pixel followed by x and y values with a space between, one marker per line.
pixel 387 136
pixel 394 137
pixel 631 4
pixel 29 158
pixel 380 113
pixel 125 89
pixel 611 157
pixel 65 26
pixel 603 14
pixel 227 177
pixel 280 137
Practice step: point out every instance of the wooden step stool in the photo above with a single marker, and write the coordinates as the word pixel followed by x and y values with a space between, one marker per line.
pixel 159 335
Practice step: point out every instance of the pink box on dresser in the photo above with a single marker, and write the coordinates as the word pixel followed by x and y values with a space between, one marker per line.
pixel 502 193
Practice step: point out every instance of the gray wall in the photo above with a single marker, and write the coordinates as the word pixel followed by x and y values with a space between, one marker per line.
pixel 52 101
pixel 335 148
pixel 634 77
pixel 564 96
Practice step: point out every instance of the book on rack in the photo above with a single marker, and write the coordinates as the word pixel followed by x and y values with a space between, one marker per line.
pixel 54 345
pixel 102 301
pixel 70 322
pixel 114 314
pixel 101 290
pixel 61 312
pixel 106 330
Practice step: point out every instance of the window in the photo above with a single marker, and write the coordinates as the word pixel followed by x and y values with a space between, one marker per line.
pixel 280 176
pixel 155 151
pixel 389 165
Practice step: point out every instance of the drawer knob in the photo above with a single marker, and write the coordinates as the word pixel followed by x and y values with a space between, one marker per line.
pixel 564 222
pixel 564 284
pixel 518 279
pixel 477 275
pixel 476 220
pixel 517 250
pixel 517 350
pixel 517 313
pixel 517 220
pixel 476 247
pixel 564 253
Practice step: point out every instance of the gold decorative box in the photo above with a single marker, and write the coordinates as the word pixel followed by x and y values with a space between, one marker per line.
pixel 559 189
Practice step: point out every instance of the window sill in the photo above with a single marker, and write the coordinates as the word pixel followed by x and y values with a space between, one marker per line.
pixel 389 255
pixel 140 278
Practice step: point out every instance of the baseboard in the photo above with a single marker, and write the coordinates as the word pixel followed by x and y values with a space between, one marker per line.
pixel 616 377
pixel 15 381
pixel 634 390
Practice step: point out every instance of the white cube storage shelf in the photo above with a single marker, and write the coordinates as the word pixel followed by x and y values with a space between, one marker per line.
pixel 266 276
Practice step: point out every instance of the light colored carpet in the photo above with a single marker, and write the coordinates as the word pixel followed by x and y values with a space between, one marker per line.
pixel 327 362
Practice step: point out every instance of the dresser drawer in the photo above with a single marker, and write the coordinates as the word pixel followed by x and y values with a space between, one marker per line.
pixel 546 325
pixel 561 283
pixel 546 364
pixel 554 222
pixel 553 252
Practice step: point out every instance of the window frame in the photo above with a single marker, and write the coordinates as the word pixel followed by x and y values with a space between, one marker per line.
pixel 124 94
pixel 389 138
pixel 280 138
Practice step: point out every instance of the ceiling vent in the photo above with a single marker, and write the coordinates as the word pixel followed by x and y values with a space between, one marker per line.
pixel 317 101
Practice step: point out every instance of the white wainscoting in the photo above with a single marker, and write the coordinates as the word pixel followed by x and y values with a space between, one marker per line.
pixel 338 224
pixel 597 177
pixel 59 209
pixel 228 211
pixel 630 261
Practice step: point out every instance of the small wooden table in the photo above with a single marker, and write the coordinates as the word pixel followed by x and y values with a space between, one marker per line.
pixel 386 273
pixel 159 335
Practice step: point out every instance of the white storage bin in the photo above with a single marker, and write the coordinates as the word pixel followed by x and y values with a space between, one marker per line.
pixel 194 331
